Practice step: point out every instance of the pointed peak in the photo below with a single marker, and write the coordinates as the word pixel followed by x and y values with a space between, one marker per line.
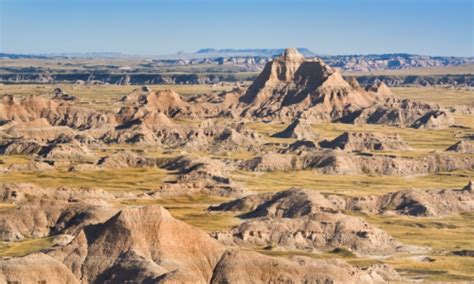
pixel 291 54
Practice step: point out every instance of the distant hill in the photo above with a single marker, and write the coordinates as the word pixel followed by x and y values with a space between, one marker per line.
pixel 65 55
pixel 252 51
pixel 21 56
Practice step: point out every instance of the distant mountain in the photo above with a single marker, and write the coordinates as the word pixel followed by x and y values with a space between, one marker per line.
pixel 21 56
pixel 393 61
pixel 65 55
pixel 252 51
pixel 89 55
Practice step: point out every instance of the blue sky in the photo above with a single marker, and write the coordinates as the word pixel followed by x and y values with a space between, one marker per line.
pixel 431 27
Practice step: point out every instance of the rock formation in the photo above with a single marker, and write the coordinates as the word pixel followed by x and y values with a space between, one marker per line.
pixel 298 129
pixel 304 219
pixel 223 138
pixel 291 86
pixel 199 176
pixel 462 147
pixel 35 268
pixel 146 244
pixel 247 267
pixel 353 141
pixel 417 202
pixel 345 163
pixel 139 244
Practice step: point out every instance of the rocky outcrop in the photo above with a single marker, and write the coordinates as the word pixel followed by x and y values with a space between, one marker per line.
pixel 18 193
pixel 249 267
pixel 167 102
pixel 462 147
pixel 345 163
pixel 295 203
pixel 199 176
pixel 141 244
pixel 10 109
pixel 143 127
pixel 43 217
pixel 291 86
pixel 65 114
pixel 318 231
pixel 35 268
pixel 146 244
pixel 298 129
pixel 126 159
pixel 40 212
pixel 225 138
pixel 63 149
pixel 304 219
pixel 434 119
pixel 417 202
pixel 358 141
pixel 38 130
pixel 448 80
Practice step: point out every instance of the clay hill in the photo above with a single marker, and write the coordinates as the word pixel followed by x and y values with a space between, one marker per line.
pixel 167 102
pixel 462 147
pixel 298 129
pixel 303 219
pixel 336 162
pixel 359 141
pixel 199 176
pixel 291 86
pixel 146 244
pixel 418 202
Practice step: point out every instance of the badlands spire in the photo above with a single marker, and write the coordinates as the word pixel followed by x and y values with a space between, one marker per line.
pixel 291 86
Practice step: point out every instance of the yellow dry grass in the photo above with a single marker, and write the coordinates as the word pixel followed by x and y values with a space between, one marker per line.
pixel 25 247
pixel 125 179
pixel 439 95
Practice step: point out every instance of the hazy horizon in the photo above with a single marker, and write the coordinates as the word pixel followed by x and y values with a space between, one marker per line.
pixel 163 27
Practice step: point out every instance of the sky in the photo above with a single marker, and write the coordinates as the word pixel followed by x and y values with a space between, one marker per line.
pixel 156 27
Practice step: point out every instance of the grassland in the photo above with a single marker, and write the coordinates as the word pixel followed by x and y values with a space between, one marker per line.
pixel 443 96
pixel 118 180
pixel 348 185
